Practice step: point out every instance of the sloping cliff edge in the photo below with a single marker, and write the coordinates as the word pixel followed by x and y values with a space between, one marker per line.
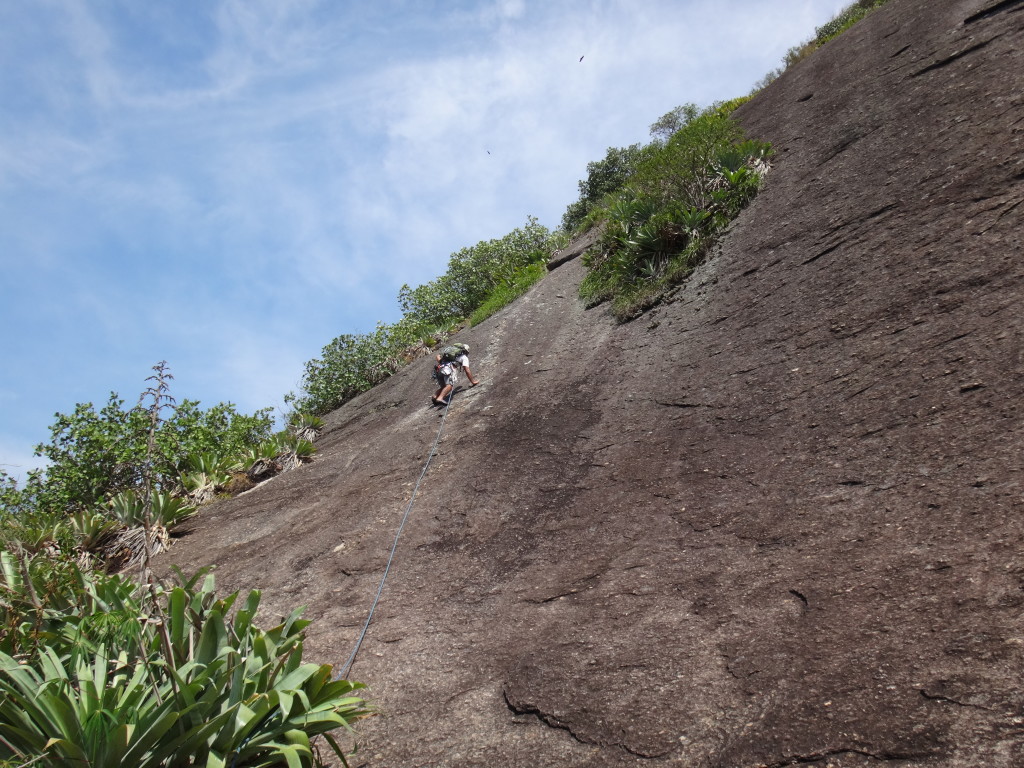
pixel 776 520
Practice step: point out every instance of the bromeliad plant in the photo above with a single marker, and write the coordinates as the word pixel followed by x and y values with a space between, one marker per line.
pixel 127 547
pixel 166 511
pixel 56 603
pixel 682 193
pixel 190 685
pixel 205 474
pixel 305 426
pixel 292 450
pixel 284 451
pixel 103 670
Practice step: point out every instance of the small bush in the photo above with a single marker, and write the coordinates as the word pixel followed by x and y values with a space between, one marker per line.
pixel 95 454
pixel 351 364
pixel 473 274
pixel 607 176
pixel 845 19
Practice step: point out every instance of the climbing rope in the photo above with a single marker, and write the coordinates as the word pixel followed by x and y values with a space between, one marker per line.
pixel 352 657
pixel 380 588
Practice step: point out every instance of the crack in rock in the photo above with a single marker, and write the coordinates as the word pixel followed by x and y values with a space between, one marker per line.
pixel 1005 5
pixel 801 597
pixel 847 142
pixel 552 721
pixel 954 57
pixel 949 700
pixel 817 757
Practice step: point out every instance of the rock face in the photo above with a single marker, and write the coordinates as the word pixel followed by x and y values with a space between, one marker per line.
pixel 776 520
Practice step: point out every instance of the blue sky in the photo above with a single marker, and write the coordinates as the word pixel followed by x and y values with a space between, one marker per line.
pixel 228 185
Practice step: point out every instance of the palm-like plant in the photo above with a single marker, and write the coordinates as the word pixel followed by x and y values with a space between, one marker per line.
pixel 292 451
pixel 44 600
pixel 682 194
pixel 305 426
pixel 691 218
pixel 93 530
pixel 128 547
pixel 165 510
pixel 259 462
pixel 206 474
pixel 196 688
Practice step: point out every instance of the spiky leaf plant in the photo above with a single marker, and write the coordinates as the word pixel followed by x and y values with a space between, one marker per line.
pixel 191 686
pixel 205 474
pixel 167 510
pixel 292 451
pixel 127 547
pixel 305 426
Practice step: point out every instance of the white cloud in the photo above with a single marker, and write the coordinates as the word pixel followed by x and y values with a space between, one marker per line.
pixel 502 10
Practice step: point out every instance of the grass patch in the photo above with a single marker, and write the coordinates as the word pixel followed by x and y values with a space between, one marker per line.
pixel 506 293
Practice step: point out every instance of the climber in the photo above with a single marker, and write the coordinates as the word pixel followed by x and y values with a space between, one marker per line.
pixel 446 369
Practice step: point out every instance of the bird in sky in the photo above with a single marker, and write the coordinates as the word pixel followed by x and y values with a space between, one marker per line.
pixel 581 57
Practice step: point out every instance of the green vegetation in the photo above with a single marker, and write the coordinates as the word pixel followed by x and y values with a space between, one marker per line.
pixel 350 364
pixel 473 275
pixel 662 207
pixel 506 293
pixel 100 669
pixel 94 671
pixel 845 19
pixel 842 21
pixel 677 196
pixel 100 459
pixel 94 455
pixel 604 177
pixel 114 471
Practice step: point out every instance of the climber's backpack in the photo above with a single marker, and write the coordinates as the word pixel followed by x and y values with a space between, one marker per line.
pixel 453 353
